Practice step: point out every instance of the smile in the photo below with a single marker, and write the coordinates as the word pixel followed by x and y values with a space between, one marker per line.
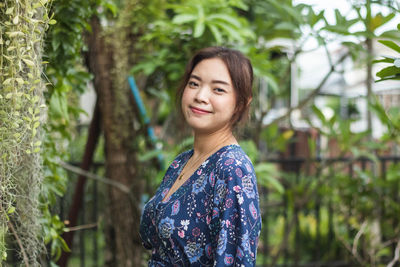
pixel 199 111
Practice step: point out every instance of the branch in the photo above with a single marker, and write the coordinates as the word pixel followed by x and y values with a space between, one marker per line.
pixel 82 227
pixel 312 94
pixel 24 256
pixel 357 237
pixel 347 246
pixel 93 176
pixel 396 255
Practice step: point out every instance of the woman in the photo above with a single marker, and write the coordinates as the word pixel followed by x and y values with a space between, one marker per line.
pixel 206 210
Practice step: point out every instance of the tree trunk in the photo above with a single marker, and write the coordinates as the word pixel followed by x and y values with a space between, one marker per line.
pixel 117 117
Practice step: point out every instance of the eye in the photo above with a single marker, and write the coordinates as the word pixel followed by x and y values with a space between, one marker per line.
pixel 193 84
pixel 219 90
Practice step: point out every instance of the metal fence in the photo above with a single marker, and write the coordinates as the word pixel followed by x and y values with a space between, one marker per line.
pixel 284 240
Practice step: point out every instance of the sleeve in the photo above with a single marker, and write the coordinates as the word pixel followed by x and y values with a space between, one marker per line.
pixel 236 220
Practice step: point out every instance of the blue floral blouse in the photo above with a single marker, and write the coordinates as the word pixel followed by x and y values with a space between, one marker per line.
pixel 213 219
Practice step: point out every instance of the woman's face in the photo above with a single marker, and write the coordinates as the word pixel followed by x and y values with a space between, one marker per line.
pixel 209 99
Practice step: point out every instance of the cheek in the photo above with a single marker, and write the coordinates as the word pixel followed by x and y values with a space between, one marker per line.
pixel 184 97
pixel 229 104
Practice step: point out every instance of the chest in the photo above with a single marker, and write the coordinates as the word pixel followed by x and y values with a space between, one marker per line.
pixel 188 208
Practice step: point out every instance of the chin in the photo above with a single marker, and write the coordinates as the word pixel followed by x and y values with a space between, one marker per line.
pixel 206 128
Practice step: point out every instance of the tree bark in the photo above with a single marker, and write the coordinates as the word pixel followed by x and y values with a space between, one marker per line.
pixel 117 115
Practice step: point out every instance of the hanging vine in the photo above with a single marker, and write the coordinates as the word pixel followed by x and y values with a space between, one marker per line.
pixel 22 113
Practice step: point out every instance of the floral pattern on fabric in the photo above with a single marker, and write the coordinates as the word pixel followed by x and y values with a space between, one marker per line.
pixel 213 219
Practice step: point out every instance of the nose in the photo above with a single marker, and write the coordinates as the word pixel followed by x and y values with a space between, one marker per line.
pixel 202 95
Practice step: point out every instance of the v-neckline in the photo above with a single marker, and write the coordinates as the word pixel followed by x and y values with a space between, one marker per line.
pixel 167 200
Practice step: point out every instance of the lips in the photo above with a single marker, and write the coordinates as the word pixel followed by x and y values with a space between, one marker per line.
pixel 198 110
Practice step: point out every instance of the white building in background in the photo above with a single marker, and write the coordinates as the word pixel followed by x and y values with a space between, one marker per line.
pixel 348 84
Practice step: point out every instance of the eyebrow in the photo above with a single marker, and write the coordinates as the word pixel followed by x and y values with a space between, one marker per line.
pixel 213 81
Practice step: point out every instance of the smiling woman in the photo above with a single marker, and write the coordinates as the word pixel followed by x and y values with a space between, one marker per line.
pixel 208 101
pixel 206 210
pixel 237 71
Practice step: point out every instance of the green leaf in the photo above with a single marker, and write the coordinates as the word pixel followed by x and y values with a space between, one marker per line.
pixel 388 71
pixel 7 81
pixel 112 6
pixel 379 20
pixel 216 33
pixel 239 4
pixel 380 112
pixel 149 155
pixel 16 20
pixel 250 148
pixel 11 210
pixel 294 13
pixel 392 34
pixel 390 44
pixel 226 18
pixel 37 143
pixel 394 77
pixel 314 18
pixel 231 32
pixel 264 172
pixel 319 114
pixel 36 124
pixel 183 18
pixel 20 81
pixel 199 28
pixel 58 105
pixel 384 60
pixel 271 80
pixel 28 62
pixel 339 18
pixel 9 10
pixel 14 34
pixel 64 245
pixel 340 29
pixel 285 25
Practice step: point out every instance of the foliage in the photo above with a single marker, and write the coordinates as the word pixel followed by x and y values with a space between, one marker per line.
pixel 391 120
pixel 68 78
pixel 392 72
pixel 365 213
pixel 23 24
pixel 176 31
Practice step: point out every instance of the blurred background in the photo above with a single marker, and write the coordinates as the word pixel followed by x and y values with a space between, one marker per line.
pixel 323 132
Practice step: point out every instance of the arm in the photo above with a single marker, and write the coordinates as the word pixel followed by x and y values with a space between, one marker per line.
pixel 236 221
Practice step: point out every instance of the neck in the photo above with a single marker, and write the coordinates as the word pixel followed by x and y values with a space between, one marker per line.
pixel 205 143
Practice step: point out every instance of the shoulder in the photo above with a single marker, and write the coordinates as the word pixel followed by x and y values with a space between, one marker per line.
pixel 182 157
pixel 234 161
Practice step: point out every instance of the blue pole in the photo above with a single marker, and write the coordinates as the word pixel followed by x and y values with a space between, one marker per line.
pixel 144 118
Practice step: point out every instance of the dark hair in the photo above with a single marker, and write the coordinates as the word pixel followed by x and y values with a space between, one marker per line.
pixel 241 73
